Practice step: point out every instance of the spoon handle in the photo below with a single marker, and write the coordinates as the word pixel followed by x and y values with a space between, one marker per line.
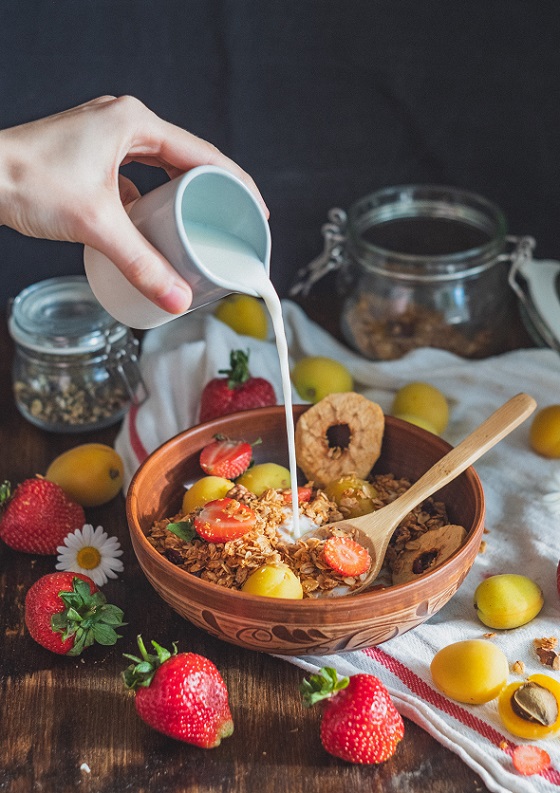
pixel 499 424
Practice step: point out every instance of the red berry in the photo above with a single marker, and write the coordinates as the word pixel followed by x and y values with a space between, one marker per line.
pixel 224 519
pixel 65 613
pixel 360 723
pixel 303 493
pixel 226 458
pixel 346 556
pixel 38 516
pixel 181 695
pixel 238 390
pixel 529 759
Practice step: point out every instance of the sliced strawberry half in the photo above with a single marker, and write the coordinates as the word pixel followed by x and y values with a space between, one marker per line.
pixel 303 493
pixel 529 759
pixel 346 556
pixel 226 458
pixel 224 519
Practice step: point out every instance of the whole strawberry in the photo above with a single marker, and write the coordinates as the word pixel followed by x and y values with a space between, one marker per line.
pixel 360 723
pixel 38 516
pixel 238 390
pixel 65 613
pixel 181 695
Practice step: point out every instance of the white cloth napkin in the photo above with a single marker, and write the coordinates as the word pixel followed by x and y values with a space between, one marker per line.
pixel 524 537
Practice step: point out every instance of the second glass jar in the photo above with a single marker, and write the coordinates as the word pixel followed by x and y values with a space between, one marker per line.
pixel 425 266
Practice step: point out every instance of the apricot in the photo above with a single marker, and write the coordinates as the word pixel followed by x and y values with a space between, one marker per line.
pixel 315 377
pixel 352 495
pixel 208 488
pixel 419 422
pixel 275 581
pixel 544 433
pixel 473 671
pixel 425 402
pixel 245 314
pixel 507 601
pixel 265 476
pixel 531 711
pixel 91 474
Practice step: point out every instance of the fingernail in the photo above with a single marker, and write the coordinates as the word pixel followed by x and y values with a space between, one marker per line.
pixel 178 299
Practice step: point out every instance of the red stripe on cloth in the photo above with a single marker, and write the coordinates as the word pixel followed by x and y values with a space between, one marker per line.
pixel 137 446
pixel 421 689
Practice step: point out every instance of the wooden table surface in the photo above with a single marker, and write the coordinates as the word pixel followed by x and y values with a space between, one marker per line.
pixel 69 725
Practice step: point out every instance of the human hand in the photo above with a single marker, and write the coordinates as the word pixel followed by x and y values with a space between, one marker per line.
pixel 60 180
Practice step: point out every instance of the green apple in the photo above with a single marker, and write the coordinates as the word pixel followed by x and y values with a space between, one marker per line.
pixel 315 377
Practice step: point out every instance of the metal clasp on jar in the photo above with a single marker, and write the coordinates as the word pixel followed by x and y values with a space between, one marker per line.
pixel 332 258
pixel 535 284
pixel 126 357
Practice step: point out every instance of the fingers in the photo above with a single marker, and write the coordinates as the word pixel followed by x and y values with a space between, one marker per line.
pixel 117 238
pixel 159 142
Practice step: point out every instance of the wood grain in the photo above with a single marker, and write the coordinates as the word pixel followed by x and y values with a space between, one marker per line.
pixel 67 725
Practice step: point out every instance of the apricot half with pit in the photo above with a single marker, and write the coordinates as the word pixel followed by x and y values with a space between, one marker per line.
pixel 531 708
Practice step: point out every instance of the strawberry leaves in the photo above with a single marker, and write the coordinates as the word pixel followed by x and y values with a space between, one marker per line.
pixel 88 618
pixel 322 686
pixel 142 670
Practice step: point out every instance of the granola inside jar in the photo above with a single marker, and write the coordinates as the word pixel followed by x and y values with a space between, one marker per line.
pixel 425 267
pixel 75 368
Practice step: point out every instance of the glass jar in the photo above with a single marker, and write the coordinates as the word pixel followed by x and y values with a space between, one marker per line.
pixel 75 368
pixel 421 266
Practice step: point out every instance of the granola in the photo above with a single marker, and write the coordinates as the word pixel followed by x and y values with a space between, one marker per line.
pixel 229 564
pixel 380 334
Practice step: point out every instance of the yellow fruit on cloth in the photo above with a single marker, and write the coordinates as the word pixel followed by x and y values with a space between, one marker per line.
pixel 419 422
pixel 245 314
pixel 423 401
pixel 315 377
pixel 91 474
pixel 507 601
pixel 544 434
pixel 473 671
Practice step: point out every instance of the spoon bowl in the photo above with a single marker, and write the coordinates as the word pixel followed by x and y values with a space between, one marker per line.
pixel 375 529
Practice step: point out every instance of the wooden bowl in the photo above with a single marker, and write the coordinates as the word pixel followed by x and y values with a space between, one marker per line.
pixel 309 626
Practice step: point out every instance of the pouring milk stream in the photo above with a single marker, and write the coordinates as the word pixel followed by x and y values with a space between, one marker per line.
pixel 231 258
pixel 213 231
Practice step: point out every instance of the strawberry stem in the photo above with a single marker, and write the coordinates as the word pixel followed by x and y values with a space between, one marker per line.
pixel 238 373
pixel 141 672
pixel 321 686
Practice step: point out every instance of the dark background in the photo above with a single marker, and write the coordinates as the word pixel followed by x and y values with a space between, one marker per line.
pixel 321 101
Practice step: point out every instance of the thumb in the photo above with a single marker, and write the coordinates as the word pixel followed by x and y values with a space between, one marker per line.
pixel 119 240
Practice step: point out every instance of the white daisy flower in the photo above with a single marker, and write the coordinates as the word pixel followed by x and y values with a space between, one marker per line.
pixel 552 498
pixel 92 553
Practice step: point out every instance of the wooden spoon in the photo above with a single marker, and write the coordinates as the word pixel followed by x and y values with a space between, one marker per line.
pixel 375 529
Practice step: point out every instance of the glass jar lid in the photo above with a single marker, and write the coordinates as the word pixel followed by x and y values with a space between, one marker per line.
pixel 61 315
